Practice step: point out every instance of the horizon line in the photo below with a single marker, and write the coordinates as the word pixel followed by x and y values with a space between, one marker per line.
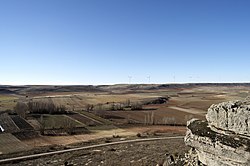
pixel 112 84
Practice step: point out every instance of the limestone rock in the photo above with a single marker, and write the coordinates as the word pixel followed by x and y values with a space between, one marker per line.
pixel 231 116
pixel 222 140
pixel 215 148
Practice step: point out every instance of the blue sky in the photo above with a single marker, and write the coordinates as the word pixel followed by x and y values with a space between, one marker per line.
pixel 105 41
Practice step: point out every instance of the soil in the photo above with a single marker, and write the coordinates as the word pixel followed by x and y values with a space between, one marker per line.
pixel 129 130
pixel 133 154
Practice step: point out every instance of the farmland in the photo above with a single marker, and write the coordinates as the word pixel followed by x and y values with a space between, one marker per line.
pixel 88 113
pixel 185 102
pixel 10 144
pixel 57 121
pixel 7 101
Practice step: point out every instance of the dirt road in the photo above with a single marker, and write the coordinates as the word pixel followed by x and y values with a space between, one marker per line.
pixel 15 159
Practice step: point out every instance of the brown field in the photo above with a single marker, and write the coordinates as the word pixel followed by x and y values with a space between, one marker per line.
pixel 185 102
pixel 10 144
pixel 125 132
pixel 84 119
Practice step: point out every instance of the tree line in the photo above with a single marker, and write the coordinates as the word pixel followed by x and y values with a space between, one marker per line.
pixel 38 107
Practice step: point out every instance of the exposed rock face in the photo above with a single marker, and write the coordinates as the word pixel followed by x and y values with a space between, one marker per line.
pixel 222 140
pixel 230 116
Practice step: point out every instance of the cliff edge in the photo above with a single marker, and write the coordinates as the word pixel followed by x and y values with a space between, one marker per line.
pixel 222 140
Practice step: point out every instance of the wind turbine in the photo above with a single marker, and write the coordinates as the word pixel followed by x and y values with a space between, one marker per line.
pixel 148 77
pixel 129 79
pixel 174 78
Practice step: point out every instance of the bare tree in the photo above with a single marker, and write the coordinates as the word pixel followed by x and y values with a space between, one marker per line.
pixel 46 107
pixel 128 103
pixel 42 123
pixel 152 118
pixel 21 109
pixel 89 107
pixel 136 106
pixel 145 120
pixel 69 126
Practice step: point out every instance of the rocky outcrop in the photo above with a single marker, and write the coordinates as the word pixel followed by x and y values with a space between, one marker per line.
pixel 231 116
pixel 222 140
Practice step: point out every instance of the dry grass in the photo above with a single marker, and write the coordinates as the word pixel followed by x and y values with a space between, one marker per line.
pixel 7 102
pixel 10 144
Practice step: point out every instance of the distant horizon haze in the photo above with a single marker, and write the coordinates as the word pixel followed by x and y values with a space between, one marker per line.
pixel 167 83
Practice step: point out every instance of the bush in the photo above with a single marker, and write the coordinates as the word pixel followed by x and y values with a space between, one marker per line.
pixel 138 134
pixel 136 106
pixel 116 136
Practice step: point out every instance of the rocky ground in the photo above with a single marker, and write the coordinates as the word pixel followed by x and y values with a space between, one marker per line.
pixel 136 154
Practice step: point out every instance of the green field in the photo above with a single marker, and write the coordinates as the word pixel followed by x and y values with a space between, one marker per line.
pixel 7 102
pixel 58 121
pixel 7 97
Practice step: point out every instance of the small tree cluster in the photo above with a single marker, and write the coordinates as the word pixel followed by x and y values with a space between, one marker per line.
pixel 127 103
pixel 46 108
pixel 116 106
pixel 136 106
pixel 89 107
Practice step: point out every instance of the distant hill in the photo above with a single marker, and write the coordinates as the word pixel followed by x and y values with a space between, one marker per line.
pixel 7 89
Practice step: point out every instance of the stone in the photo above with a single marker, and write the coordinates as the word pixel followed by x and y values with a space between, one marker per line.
pixel 222 140
pixel 233 116
pixel 216 148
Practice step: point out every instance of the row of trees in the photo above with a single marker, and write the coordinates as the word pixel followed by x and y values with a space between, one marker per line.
pixel 113 106
pixel 46 108
pixel 22 108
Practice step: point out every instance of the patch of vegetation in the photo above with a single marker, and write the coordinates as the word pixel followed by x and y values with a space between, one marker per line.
pixel 159 100
pixel 46 108
pixel 7 102
pixel 57 121
pixel 6 97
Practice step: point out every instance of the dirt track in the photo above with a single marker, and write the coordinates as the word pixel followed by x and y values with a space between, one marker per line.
pixel 191 111
pixel 111 150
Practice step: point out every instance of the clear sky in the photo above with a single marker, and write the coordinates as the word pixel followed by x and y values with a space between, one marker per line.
pixel 106 41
